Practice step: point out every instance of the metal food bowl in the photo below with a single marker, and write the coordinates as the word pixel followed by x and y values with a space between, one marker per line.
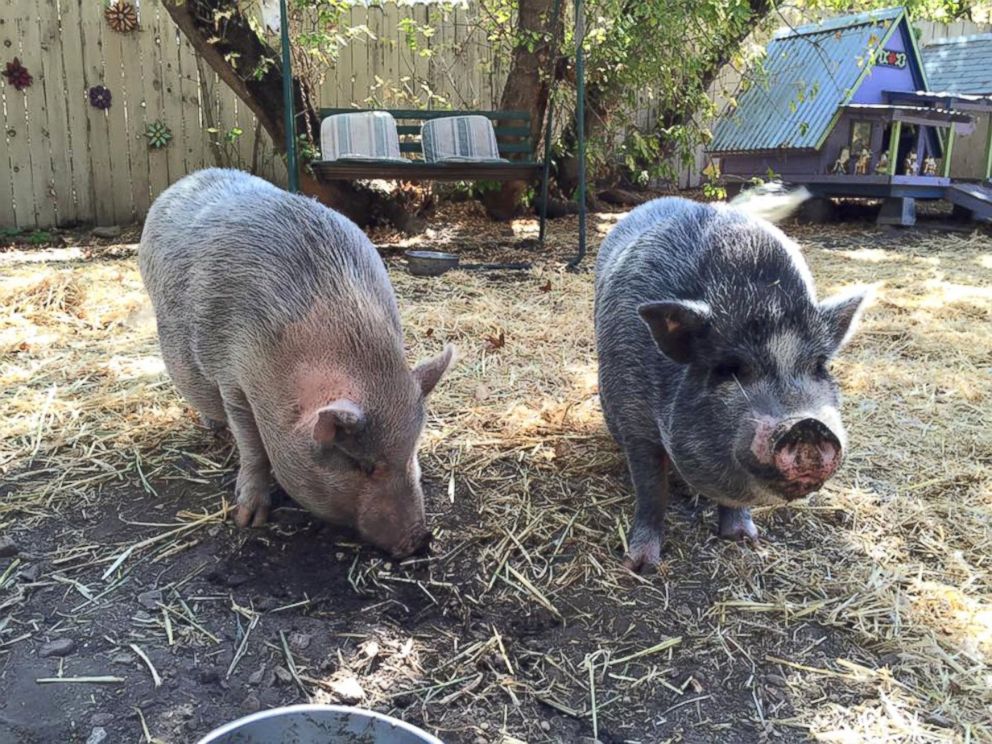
pixel 318 724
pixel 430 263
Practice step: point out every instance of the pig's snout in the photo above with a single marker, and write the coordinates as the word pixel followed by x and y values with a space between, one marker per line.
pixel 415 544
pixel 805 455
pixel 400 537
pixel 798 454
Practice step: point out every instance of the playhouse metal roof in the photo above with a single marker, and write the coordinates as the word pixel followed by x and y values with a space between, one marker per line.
pixel 807 74
pixel 960 65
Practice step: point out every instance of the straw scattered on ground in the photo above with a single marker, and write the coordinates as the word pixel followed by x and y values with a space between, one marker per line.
pixel 865 612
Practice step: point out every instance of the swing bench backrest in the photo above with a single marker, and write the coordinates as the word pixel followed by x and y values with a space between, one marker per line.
pixel 512 130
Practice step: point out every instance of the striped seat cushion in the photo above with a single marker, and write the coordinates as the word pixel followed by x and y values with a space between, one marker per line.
pixel 460 139
pixel 364 135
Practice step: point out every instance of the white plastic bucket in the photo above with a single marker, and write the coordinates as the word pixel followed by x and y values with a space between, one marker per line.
pixel 318 724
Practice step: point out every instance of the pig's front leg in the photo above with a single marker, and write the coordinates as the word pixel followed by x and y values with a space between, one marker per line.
pixel 648 463
pixel 254 473
pixel 736 524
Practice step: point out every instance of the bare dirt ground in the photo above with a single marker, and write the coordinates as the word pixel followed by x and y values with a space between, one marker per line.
pixel 129 605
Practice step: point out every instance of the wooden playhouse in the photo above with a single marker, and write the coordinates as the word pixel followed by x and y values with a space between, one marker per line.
pixel 843 107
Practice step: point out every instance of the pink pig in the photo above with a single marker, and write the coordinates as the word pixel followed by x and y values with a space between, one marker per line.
pixel 276 317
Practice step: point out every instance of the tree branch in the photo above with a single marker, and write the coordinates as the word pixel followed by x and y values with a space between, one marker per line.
pixel 221 34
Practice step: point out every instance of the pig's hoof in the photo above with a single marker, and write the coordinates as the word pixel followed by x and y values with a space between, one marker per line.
pixel 253 505
pixel 736 524
pixel 644 552
pixel 245 516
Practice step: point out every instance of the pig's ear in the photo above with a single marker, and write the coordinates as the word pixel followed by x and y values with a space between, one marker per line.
pixel 842 313
pixel 428 373
pixel 337 420
pixel 676 326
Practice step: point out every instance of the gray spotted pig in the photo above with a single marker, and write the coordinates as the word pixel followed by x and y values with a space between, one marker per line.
pixel 276 317
pixel 714 359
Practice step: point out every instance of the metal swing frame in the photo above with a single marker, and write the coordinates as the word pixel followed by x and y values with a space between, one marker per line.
pixel 292 164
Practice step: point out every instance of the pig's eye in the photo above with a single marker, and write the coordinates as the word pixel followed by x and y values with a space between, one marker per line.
pixel 730 369
pixel 822 369
pixel 365 467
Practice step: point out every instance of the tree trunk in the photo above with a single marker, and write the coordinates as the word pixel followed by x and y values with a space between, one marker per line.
pixel 527 88
pixel 221 34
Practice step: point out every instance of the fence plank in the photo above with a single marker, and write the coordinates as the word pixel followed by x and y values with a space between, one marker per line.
pixel 404 77
pixel 149 44
pixel 222 113
pixel 199 152
pixel 8 215
pixel 422 65
pixel 39 144
pixel 377 53
pixel 126 125
pixel 57 112
pixel 98 124
pixel 129 46
pixel 77 109
pixel 441 18
pixel 391 49
pixel 357 79
pixel 389 52
pixel 197 149
pixel 455 59
pixel 472 59
pixel 246 141
pixel 437 20
pixel 432 21
pixel 113 71
pixel 465 97
pixel 339 81
pixel 179 151
pixel 18 141
pixel 226 112
pixel 206 81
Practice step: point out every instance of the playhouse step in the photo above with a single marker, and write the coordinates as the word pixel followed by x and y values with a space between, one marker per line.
pixel 974 197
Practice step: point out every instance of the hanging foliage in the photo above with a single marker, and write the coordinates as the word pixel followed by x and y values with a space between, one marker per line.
pixel 158 134
pixel 100 97
pixel 17 74
pixel 122 17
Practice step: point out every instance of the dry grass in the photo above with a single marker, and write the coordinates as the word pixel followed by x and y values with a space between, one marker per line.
pixel 867 613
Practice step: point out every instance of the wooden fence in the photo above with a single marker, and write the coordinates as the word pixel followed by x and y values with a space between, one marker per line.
pixel 66 161
pixel 419 54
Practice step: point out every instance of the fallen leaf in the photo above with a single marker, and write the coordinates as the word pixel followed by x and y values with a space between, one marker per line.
pixel 496 342
pixel 546 287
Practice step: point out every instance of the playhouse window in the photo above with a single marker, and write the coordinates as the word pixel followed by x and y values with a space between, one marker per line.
pixel 860 136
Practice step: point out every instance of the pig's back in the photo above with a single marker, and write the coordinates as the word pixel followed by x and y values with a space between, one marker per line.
pixel 232 260
pixel 649 255
pixel 640 231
